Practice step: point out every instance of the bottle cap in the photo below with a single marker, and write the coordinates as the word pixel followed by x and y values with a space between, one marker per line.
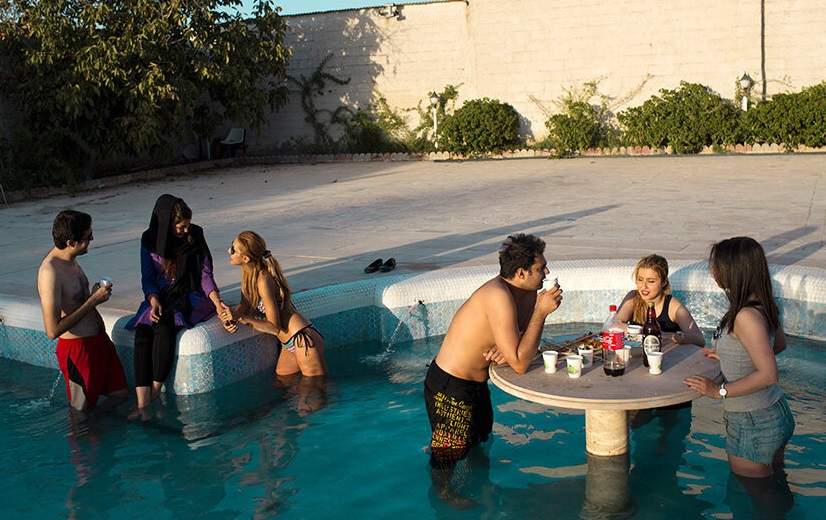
pixel 612 308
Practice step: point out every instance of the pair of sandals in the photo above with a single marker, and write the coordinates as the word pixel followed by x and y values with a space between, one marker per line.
pixel 379 265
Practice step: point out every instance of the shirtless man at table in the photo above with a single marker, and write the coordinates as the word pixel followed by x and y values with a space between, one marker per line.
pixel 501 322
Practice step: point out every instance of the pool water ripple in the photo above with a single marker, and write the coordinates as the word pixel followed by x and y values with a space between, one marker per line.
pixel 357 447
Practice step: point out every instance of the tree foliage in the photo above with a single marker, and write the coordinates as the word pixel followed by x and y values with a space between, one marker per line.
pixel 126 77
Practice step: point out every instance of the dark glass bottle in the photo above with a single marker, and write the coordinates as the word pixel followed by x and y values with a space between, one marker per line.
pixel 652 338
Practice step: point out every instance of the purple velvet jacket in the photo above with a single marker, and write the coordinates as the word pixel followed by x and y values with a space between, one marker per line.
pixel 153 281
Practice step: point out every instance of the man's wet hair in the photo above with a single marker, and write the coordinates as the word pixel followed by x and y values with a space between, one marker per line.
pixel 70 225
pixel 517 251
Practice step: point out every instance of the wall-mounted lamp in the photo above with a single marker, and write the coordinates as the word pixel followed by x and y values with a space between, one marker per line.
pixel 434 106
pixel 746 83
pixel 391 11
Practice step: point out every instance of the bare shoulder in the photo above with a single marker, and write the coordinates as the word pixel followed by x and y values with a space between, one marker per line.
pixel 676 305
pixel 750 321
pixel 48 269
pixel 266 283
pixel 493 291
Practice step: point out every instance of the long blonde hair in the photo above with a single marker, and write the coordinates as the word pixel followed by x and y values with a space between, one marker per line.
pixel 659 265
pixel 253 246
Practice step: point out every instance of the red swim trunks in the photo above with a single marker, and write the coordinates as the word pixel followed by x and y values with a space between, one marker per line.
pixel 90 368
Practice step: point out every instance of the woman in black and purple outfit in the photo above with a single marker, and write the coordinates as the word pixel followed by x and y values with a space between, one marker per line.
pixel 179 289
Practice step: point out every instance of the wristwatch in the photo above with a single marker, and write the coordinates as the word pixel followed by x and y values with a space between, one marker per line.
pixel 723 392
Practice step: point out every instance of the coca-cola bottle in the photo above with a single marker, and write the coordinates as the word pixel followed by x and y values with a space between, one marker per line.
pixel 612 332
pixel 652 338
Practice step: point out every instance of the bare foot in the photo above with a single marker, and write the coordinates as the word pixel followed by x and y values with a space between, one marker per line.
pixel 140 413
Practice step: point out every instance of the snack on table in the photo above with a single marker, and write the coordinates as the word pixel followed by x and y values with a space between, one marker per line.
pixel 590 339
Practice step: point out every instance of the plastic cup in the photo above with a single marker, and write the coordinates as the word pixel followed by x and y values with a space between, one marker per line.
pixel 655 363
pixel 574 366
pixel 633 332
pixel 626 354
pixel 587 354
pixel 549 357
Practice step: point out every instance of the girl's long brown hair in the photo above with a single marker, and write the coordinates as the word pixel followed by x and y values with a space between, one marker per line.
pixel 253 246
pixel 659 265
pixel 739 267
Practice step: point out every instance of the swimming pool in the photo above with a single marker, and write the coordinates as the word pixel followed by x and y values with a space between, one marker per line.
pixel 231 443
pixel 253 449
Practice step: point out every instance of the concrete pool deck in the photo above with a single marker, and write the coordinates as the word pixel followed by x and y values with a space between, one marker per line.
pixel 326 222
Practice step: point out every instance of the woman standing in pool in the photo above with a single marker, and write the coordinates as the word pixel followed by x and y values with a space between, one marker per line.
pixel 179 289
pixel 758 420
pixel 651 277
pixel 266 306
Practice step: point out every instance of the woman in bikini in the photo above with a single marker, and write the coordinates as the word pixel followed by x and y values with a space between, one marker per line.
pixel 266 306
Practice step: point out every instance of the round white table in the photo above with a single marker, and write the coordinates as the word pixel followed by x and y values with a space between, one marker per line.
pixel 606 400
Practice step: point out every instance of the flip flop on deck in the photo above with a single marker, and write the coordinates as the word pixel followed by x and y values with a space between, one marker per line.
pixel 374 266
pixel 388 266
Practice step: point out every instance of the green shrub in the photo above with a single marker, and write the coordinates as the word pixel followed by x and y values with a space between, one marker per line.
pixel 479 126
pixel 29 161
pixel 687 119
pixel 364 132
pixel 790 119
pixel 577 130
pixel 584 121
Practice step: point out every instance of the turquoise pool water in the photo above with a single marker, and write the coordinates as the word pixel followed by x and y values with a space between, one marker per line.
pixel 357 448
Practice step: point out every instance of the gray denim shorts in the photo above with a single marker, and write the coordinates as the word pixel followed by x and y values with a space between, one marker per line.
pixel 758 434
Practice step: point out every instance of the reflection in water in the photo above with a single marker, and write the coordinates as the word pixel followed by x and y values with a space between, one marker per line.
pixel 606 488
pixel 659 439
pixel 266 447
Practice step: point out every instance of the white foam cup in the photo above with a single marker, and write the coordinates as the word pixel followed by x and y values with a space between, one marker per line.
pixel 549 357
pixel 655 362
pixel 633 332
pixel 626 354
pixel 587 354
pixel 574 366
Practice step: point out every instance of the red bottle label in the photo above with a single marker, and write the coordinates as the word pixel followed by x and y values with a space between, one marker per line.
pixel 611 340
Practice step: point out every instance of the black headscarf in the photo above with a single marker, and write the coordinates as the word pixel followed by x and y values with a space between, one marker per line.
pixel 188 252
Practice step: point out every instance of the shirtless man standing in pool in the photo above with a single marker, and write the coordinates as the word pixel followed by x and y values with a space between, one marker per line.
pixel 500 322
pixel 85 354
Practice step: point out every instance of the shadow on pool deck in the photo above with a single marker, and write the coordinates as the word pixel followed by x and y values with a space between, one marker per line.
pixel 448 250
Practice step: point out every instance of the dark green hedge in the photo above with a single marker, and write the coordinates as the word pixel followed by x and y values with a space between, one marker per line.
pixel 687 119
pixel 480 126
pixel 790 119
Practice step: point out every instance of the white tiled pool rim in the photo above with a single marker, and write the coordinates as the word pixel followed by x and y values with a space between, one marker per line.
pixel 372 309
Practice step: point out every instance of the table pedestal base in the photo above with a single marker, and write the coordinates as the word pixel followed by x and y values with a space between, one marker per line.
pixel 606 432
pixel 607 491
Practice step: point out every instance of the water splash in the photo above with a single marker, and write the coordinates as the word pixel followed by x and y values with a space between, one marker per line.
pixel 54 385
pixel 413 308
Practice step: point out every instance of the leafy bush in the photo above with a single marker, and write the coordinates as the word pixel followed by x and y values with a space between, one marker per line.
pixel 584 121
pixel 575 130
pixel 687 119
pixel 479 126
pixel 791 119
pixel 24 164
pixel 366 132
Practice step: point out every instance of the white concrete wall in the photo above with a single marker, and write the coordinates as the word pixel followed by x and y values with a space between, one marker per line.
pixel 524 50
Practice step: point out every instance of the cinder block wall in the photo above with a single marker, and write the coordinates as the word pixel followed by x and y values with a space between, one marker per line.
pixel 526 52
